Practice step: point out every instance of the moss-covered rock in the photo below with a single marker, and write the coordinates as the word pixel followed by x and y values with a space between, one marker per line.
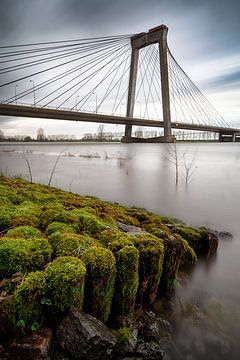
pixel 27 213
pixel 114 239
pixel 191 235
pixel 126 283
pixel 101 269
pixel 172 257
pixel 23 255
pixel 27 301
pixel 151 253
pixel 65 244
pixel 90 224
pixel 24 232
pixel 189 256
pixel 60 226
pixel 65 278
pixel 55 213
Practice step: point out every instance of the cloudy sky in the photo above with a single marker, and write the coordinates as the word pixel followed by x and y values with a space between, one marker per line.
pixel 203 36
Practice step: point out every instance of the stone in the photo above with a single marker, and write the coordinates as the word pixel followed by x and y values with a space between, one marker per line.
pixel 130 228
pixel 84 337
pixel 37 346
pixel 208 244
pixel 225 235
pixel 149 351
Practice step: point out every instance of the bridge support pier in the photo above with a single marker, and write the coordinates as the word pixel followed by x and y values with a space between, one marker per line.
pixel 154 36
pixel 227 137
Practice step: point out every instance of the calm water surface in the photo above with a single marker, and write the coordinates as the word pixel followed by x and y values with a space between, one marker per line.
pixel 142 175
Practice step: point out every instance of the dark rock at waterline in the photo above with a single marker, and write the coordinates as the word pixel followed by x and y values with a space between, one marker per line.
pixel 208 244
pixel 84 337
pixel 225 235
pixel 149 351
pixel 37 346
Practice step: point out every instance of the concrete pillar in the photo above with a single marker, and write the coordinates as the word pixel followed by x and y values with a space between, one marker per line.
pixel 132 89
pixel 165 86
pixel 234 137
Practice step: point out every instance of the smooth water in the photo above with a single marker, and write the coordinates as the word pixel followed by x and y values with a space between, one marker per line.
pixel 143 175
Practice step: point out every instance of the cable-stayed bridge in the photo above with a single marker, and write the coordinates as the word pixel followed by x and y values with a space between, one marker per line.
pixel 132 80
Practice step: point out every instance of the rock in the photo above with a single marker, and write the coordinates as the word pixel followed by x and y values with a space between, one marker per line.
pixel 149 351
pixel 37 346
pixel 127 341
pixel 84 337
pixel 121 321
pixel 7 328
pixel 170 226
pixel 208 244
pixel 129 228
pixel 225 235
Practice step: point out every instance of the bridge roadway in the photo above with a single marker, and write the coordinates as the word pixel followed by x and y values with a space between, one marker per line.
pixel 56 114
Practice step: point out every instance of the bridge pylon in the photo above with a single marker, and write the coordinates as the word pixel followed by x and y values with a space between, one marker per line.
pixel 158 36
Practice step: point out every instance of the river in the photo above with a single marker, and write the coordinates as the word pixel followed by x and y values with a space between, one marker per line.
pixel 144 175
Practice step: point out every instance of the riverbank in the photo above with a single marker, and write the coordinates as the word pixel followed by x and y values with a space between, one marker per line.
pixel 60 250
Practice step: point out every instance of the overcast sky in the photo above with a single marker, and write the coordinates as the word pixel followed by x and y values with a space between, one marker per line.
pixel 204 37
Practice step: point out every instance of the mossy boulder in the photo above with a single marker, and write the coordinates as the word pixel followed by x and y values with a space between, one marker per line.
pixel 191 235
pixel 189 256
pixel 27 301
pixel 27 213
pixel 65 244
pixel 172 258
pixel 151 253
pixel 23 255
pixel 24 232
pixel 101 270
pixel 65 278
pixel 90 224
pixel 114 239
pixel 59 226
pixel 55 213
pixel 127 280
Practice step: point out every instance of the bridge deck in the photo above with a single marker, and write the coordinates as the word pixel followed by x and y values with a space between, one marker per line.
pixel 56 114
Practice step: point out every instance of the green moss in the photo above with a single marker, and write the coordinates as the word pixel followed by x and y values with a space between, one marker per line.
pixel 189 256
pixel 114 239
pixel 24 232
pixel 151 253
pixel 8 192
pixel 55 213
pixel 90 224
pixel 59 226
pixel 23 255
pixel 65 278
pixel 126 283
pixel 5 220
pixel 191 235
pixel 27 299
pixel 64 244
pixel 26 213
pixel 101 269
pixel 172 258
pixel 123 335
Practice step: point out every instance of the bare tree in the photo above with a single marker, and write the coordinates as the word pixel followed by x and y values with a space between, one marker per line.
pixel 54 168
pixel 24 154
pixel 189 166
pixel 174 157
pixel 100 132
pixel 40 134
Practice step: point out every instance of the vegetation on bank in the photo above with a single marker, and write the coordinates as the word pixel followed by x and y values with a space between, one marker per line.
pixel 60 250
